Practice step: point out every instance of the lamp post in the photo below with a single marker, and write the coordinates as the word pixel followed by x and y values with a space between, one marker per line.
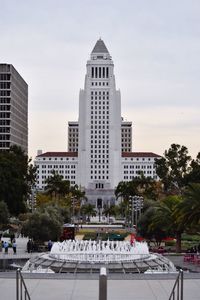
pixel 135 205
pixel 99 206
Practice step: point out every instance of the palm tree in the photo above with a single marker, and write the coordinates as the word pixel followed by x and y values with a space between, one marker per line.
pixel 109 211
pixel 88 210
pixel 56 186
pixel 189 211
pixel 166 217
pixel 77 195
pixel 140 186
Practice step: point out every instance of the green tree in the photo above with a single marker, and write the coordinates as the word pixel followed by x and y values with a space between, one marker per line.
pixel 189 210
pixel 4 214
pixel 140 186
pixel 44 224
pixel 173 168
pixel 194 174
pixel 166 217
pixel 88 210
pixel 77 196
pixel 16 177
pixel 109 210
pixel 56 186
pixel 145 229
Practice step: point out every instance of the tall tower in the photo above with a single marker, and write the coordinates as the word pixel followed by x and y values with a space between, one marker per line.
pixel 100 143
pixel 13 109
pixel 99 147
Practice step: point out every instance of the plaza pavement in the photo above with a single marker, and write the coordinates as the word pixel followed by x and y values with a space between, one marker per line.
pixel 86 286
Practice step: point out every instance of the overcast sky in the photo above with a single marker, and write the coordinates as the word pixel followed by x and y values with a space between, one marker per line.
pixel 155 46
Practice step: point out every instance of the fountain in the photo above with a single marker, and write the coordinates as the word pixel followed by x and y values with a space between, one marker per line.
pixel 78 256
pixel 99 252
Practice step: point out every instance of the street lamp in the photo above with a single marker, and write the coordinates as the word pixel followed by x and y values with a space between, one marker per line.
pixel 136 205
pixel 99 206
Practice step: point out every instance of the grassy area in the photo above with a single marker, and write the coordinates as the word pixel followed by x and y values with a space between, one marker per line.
pixel 93 234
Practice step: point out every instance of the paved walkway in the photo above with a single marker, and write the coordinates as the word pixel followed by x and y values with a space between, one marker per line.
pixel 84 287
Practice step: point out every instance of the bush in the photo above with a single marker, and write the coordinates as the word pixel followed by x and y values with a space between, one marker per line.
pixel 43 226
pixel 90 236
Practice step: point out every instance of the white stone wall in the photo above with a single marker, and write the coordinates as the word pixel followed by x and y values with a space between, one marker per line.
pixel 65 166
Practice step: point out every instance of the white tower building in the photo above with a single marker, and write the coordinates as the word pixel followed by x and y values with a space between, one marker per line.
pixel 99 154
pixel 100 144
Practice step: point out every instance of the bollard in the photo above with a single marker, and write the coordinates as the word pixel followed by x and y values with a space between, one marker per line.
pixel 103 284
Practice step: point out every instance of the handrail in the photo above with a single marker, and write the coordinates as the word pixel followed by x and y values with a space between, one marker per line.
pixel 21 287
pixel 177 291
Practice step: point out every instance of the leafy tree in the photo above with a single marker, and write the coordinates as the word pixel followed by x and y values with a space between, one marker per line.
pixel 16 177
pixel 88 210
pixel 173 168
pixel 43 199
pixel 4 214
pixel 189 210
pixel 56 186
pixel 194 174
pixel 44 224
pixel 145 228
pixel 77 195
pixel 140 186
pixel 166 217
pixel 109 210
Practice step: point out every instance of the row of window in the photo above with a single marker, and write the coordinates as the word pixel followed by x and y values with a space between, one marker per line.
pixel 99 112
pixel 4 85
pixel 4 137
pixel 133 177
pixel 58 166
pixel 4 93
pixel 5 129
pixel 60 172
pixel 138 159
pixel 99 172
pixel 99 177
pixel 100 83
pixel 99 93
pixel 4 107
pixel 100 98
pixel 103 107
pixel 99 150
pixel 4 144
pixel 100 72
pixel 4 100
pixel 138 166
pixel 99 156
pixel 5 115
pixel 138 172
pixel 99 166
pixel 5 77
pixel 55 158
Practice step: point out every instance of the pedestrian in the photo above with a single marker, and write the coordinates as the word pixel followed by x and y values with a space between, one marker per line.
pixel 5 244
pixel 29 246
pixel 49 245
pixel 14 246
pixel 12 237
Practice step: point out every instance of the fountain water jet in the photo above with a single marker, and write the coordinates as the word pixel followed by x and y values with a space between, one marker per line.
pixel 75 256
pixel 102 251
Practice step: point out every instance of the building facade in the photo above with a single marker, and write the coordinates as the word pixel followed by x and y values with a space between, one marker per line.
pixel 100 142
pixel 13 109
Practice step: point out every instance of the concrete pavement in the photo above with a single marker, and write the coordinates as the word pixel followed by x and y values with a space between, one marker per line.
pixel 77 288
pixel 82 287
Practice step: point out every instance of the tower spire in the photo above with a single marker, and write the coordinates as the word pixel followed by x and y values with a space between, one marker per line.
pixel 100 47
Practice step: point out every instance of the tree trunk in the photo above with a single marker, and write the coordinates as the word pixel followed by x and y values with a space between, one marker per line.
pixel 178 242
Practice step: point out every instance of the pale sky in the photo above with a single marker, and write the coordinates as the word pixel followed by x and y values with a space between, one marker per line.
pixel 155 46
